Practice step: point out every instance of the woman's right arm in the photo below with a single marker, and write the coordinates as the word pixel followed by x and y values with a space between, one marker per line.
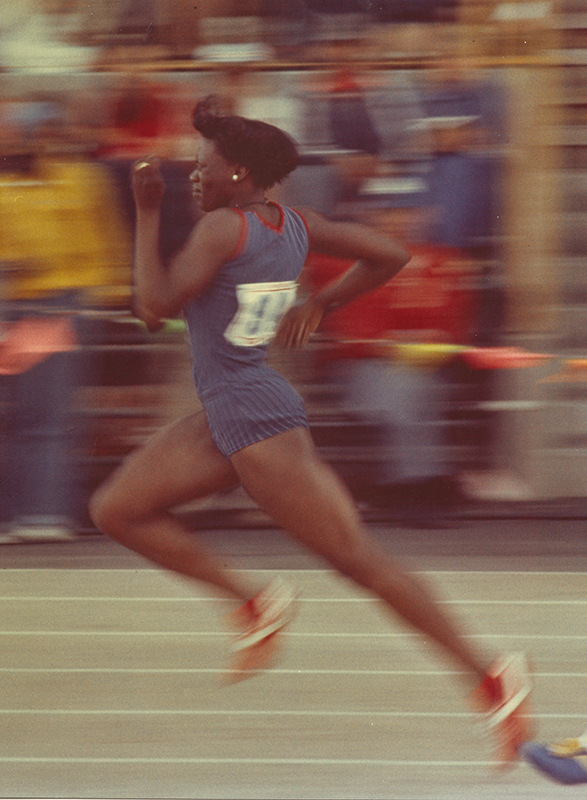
pixel 161 290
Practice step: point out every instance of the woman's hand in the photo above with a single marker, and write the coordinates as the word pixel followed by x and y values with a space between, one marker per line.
pixel 147 183
pixel 152 323
pixel 300 323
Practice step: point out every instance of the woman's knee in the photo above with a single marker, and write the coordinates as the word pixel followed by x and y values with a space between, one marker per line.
pixel 107 511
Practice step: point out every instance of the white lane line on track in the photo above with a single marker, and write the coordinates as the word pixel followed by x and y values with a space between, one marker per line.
pixel 215 601
pixel 273 671
pixel 155 571
pixel 76 712
pixel 301 634
pixel 351 762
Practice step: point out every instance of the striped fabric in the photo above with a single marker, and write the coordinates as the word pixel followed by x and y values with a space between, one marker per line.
pixel 230 326
pixel 247 413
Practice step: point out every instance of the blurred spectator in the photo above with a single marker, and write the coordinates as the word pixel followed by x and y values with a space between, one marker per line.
pixel 389 349
pixel 465 120
pixel 395 103
pixel 142 118
pixel 136 120
pixel 352 130
pixel 362 125
pixel 146 118
pixel 430 305
pixel 63 250
pixel 387 107
pixel 40 35
pixel 464 117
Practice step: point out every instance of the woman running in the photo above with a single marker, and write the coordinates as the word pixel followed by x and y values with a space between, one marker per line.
pixel 235 282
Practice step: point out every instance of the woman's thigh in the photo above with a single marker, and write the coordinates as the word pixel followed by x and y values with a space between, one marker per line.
pixel 287 477
pixel 178 464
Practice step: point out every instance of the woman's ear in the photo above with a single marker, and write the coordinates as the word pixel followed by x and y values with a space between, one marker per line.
pixel 239 173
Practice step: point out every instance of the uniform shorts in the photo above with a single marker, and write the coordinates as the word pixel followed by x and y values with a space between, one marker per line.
pixel 245 413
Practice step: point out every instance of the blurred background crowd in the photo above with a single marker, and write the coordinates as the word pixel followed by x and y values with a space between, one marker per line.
pixel 458 125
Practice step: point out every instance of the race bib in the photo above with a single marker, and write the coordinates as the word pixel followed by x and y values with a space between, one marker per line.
pixel 260 309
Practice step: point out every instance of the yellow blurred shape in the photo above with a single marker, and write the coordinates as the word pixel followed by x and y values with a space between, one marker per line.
pixel 423 354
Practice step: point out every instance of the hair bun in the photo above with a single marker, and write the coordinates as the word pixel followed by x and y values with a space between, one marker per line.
pixel 205 122
pixel 266 151
pixel 207 114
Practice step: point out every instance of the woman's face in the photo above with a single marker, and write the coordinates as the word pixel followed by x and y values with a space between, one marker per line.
pixel 212 183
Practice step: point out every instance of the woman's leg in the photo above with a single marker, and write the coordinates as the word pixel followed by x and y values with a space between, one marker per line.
pixel 287 478
pixel 179 464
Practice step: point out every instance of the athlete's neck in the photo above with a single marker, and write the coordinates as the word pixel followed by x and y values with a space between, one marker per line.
pixel 249 203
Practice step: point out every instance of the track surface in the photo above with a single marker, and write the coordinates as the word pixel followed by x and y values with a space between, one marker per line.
pixel 111 672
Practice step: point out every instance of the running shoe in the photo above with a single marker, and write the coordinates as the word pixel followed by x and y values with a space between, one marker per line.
pixel 563 762
pixel 263 617
pixel 504 695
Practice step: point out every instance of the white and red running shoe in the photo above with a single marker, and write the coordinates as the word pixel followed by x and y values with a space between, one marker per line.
pixel 263 617
pixel 504 696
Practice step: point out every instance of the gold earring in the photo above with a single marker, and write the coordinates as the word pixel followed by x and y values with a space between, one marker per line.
pixel 235 177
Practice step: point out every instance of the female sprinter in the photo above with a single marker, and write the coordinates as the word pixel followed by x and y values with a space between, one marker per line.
pixel 235 282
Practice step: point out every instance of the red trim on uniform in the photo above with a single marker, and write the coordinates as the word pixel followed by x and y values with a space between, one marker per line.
pixel 243 236
pixel 277 228
pixel 301 216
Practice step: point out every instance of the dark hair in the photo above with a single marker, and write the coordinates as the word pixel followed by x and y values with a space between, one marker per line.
pixel 266 151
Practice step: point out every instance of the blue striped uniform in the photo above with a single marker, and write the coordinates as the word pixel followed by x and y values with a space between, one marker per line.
pixel 231 324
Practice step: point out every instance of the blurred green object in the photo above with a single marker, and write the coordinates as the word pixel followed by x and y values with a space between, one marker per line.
pixel 170 326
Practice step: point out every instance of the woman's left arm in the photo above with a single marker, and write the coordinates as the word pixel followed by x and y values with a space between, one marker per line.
pixel 376 256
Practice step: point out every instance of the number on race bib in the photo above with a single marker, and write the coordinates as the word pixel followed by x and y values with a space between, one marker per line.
pixel 260 309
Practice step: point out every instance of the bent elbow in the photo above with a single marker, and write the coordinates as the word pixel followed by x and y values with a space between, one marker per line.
pixel 395 262
pixel 149 315
pixel 153 305
pixel 404 257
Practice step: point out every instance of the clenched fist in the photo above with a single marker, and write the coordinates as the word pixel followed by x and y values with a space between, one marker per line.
pixel 147 183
